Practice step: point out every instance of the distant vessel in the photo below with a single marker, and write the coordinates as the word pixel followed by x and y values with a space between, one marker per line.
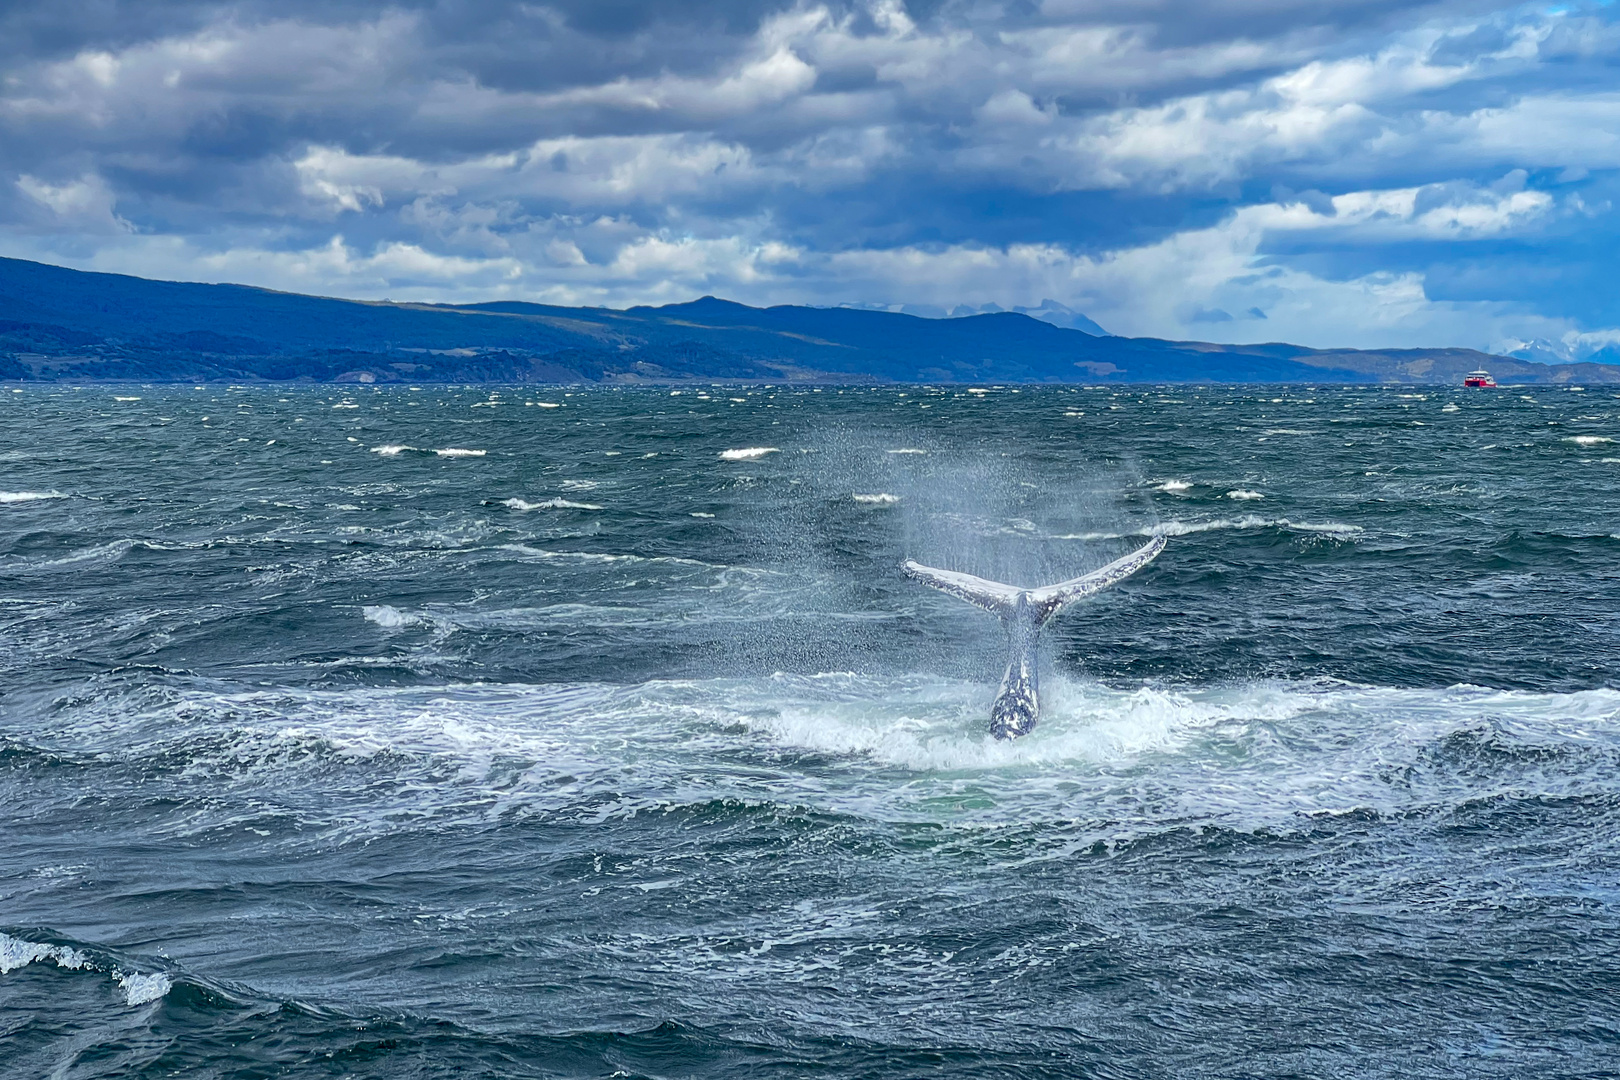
pixel 1480 378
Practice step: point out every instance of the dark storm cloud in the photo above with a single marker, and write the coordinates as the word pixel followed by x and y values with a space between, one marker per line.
pixel 1326 163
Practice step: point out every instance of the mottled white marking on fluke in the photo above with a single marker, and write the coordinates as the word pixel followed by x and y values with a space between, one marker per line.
pixel 1024 612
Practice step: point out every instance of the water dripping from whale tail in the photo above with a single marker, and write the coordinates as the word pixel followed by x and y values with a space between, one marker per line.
pixel 1024 612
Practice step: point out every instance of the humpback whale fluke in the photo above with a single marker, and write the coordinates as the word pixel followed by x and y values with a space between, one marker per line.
pixel 1023 612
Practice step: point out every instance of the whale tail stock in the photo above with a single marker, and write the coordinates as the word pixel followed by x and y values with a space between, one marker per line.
pixel 1023 612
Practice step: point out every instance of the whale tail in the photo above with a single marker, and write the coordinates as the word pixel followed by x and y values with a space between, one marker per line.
pixel 1036 605
pixel 1023 612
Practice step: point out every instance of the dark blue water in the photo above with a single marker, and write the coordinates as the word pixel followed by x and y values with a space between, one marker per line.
pixel 438 732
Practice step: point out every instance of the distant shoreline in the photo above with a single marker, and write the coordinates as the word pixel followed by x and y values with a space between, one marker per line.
pixel 61 325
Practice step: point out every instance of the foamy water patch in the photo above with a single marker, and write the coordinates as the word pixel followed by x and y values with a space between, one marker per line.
pixel 11 497
pixel 1588 440
pixel 456 451
pixel 391 449
pixel 1174 487
pixel 881 498
pixel 748 453
pixel 1123 761
pixel 943 729
pixel 1244 495
pixel 1248 521
pixel 388 616
pixel 549 504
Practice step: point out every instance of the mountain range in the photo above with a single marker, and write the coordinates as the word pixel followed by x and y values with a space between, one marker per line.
pixel 69 325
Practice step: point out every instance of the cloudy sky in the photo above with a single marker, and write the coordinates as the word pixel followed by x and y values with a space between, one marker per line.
pixel 1330 172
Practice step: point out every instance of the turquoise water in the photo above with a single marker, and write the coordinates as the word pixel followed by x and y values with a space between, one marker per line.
pixel 547 732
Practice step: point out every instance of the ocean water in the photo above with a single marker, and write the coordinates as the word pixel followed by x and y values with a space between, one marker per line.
pixel 514 732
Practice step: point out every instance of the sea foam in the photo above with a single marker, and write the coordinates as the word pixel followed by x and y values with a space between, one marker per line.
pixel 387 616
pixel 748 453
pixel 549 504
pixel 1248 521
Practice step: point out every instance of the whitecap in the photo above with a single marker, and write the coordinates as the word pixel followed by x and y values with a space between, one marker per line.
pixel 126 399
pixel 1248 521
pixel 28 496
pixel 453 451
pixel 906 450
pixel 140 989
pixel 1588 440
pixel 387 616
pixel 549 504
pixel 390 450
pixel 748 453
pixel 1174 486
pixel 1242 495
pixel 882 498
pixel 1252 521
pixel 16 953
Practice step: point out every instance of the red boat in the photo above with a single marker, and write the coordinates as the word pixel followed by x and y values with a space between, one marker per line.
pixel 1480 379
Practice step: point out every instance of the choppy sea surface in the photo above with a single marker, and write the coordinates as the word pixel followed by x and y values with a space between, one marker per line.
pixel 542 732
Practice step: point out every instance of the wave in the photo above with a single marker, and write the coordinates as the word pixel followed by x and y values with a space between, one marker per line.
pixel 1249 521
pixel 549 504
pixel 1174 487
pixel 388 617
pixel 108 552
pixel 1244 496
pixel 882 498
pixel 1587 440
pixel 610 557
pixel 395 449
pixel 748 453
pixel 138 988
pixel 28 496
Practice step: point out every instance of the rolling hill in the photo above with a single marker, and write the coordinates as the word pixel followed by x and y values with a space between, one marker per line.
pixel 69 325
